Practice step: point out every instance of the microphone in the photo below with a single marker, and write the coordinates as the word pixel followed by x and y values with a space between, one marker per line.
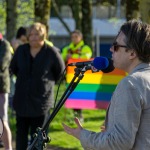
pixel 99 63
pixel 109 68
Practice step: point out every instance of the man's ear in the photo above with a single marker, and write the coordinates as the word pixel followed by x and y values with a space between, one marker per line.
pixel 133 54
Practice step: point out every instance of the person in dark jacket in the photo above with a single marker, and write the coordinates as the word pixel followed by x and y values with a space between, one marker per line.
pixel 5 58
pixel 37 67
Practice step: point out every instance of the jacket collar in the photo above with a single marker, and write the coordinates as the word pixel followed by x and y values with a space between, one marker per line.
pixel 74 47
pixel 141 66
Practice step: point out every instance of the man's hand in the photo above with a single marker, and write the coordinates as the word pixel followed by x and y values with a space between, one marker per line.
pixel 74 131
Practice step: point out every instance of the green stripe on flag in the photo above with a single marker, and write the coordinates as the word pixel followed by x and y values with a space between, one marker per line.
pixel 95 87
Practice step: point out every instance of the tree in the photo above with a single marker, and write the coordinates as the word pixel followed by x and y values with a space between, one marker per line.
pixel 76 7
pixel 145 10
pixel 25 10
pixel 56 9
pixel 18 13
pixel 11 18
pixel 87 29
pixel 42 11
pixel 132 9
pixel 2 16
pixel 82 13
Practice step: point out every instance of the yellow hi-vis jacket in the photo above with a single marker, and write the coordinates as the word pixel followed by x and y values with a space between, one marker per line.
pixel 77 51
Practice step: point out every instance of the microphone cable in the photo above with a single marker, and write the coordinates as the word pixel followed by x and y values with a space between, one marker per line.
pixel 59 83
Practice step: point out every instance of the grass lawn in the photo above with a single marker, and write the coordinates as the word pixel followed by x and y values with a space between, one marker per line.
pixel 93 119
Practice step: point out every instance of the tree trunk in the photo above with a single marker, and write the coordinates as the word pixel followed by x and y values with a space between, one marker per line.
pixel 42 12
pixel 87 29
pixel 132 9
pixel 55 6
pixel 145 10
pixel 77 13
pixel 11 19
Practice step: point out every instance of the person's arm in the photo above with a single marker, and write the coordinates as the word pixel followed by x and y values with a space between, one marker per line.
pixel 65 53
pixel 86 52
pixel 5 55
pixel 126 115
pixel 59 66
pixel 13 65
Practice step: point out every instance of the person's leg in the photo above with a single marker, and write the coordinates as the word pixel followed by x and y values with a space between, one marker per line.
pixel 22 129
pixel 78 113
pixel 37 122
pixel 7 137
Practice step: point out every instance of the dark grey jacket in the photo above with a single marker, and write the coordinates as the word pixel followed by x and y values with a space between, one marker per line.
pixel 35 79
pixel 5 58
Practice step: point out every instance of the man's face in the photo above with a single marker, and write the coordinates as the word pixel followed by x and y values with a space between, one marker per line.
pixel 76 38
pixel 121 53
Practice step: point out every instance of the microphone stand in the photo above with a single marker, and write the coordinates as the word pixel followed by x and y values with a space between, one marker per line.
pixel 41 138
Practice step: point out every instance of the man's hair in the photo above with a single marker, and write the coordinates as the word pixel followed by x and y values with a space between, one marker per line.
pixel 41 28
pixel 77 32
pixel 21 31
pixel 138 38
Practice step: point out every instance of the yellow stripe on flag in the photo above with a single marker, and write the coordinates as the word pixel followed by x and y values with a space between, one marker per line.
pixel 97 79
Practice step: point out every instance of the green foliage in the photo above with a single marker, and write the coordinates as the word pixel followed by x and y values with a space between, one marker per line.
pixel 2 16
pixel 25 13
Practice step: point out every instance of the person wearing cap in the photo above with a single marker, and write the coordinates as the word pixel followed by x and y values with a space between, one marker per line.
pixel 5 58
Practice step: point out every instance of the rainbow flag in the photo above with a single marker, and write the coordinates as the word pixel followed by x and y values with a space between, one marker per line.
pixel 95 89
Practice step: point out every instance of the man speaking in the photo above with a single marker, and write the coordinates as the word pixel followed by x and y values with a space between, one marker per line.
pixel 127 124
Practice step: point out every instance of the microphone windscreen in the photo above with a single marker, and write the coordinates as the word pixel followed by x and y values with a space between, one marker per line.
pixel 110 67
pixel 100 63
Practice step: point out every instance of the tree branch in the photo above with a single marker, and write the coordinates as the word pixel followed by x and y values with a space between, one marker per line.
pixel 60 18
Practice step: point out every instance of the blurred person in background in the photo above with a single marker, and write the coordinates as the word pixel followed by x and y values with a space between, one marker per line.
pixel 76 49
pixel 37 67
pixel 5 58
pixel 21 37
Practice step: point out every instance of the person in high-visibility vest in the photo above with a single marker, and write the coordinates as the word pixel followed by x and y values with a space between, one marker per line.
pixel 76 49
